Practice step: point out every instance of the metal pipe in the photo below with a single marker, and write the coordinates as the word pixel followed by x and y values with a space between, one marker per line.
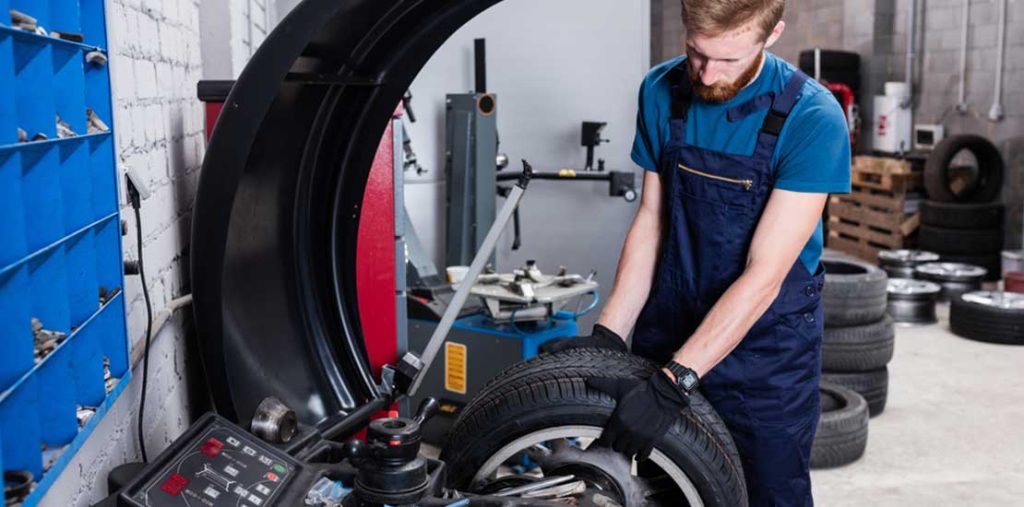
pixel 996 112
pixel 817 64
pixel 961 105
pixel 158 323
pixel 911 32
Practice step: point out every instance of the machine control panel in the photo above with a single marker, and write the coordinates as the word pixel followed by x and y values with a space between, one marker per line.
pixel 219 465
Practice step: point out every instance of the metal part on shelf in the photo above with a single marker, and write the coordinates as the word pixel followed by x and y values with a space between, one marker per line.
pixel 84 414
pixel 17 485
pixel 274 422
pixel 46 341
pixel 912 301
pixel 95 124
pixel 955 278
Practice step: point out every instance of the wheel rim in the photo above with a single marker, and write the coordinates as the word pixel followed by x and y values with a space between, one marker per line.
pixel 635 485
pixel 906 257
pixel 908 287
pixel 951 271
pixel 1005 300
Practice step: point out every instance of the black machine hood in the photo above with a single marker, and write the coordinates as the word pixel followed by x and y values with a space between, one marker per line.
pixel 278 206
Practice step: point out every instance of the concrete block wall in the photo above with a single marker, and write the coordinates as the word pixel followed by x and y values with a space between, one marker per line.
pixel 155 62
pixel 876 29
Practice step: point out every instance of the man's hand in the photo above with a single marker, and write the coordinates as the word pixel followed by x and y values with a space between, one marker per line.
pixel 645 411
pixel 600 338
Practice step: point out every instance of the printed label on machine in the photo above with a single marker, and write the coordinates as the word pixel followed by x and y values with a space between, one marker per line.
pixel 455 367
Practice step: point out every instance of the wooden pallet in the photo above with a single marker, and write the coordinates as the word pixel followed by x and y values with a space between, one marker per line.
pixel 872 216
pixel 886 174
pixel 874 213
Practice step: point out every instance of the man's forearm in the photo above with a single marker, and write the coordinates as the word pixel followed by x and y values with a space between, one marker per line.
pixel 635 273
pixel 729 321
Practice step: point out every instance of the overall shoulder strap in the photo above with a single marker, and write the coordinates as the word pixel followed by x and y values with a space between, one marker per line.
pixel 682 92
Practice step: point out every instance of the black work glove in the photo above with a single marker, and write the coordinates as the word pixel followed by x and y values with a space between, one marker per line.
pixel 644 412
pixel 600 338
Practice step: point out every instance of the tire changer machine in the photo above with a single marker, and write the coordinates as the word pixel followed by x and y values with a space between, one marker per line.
pixel 355 458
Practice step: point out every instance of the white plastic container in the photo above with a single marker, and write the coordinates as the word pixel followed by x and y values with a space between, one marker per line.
pixel 893 126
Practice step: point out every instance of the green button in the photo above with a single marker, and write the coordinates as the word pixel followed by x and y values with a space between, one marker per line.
pixel 280 469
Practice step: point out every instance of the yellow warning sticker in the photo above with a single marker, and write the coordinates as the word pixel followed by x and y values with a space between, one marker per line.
pixel 455 367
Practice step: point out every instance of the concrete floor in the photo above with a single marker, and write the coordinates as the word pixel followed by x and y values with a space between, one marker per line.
pixel 952 432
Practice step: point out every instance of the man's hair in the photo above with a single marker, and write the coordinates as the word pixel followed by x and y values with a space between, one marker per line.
pixel 713 17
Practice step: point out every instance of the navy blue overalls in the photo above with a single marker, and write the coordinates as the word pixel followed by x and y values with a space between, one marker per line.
pixel 766 390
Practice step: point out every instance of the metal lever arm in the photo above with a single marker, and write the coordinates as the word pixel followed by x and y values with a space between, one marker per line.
pixel 414 368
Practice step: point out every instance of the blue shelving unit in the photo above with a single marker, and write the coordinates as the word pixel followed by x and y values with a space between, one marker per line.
pixel 60 240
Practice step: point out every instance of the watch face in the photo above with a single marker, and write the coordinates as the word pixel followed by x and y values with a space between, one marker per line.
pixel 688 381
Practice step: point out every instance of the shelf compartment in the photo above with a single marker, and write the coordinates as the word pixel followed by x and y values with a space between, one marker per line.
pixel 15 326
pixel 65 16
pixel 76 185
pixel 33 68
pixel 102 178
pixel 58 418
pixel 69 78
pixel 12 208
pixel 41 195
pixel 83 286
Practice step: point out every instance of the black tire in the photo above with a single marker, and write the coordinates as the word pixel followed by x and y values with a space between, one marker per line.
pixel 550 391
pixel 848 78
pixel 842 434
pixel 831 60
pixel 990 170
pixel 858 348
pixel 854 293
pixel 992 324
pixel 973 216
pixel 872 385
pixel 961 241
pixel 992 262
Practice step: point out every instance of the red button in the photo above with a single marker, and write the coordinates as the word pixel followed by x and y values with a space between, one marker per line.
pixel 212 447
pixel 174 484
pixel 271 476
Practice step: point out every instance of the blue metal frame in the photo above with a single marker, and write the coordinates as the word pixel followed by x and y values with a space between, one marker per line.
pixel 60 240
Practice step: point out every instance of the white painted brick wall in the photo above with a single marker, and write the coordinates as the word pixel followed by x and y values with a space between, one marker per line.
pixel 155 63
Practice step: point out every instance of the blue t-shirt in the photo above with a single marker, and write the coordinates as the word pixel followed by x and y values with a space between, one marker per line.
pixel 813 151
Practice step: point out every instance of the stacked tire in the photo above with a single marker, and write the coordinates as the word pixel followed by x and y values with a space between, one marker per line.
pixel 988 316
pixel 856 349
pixel 836 66
pixel 859 337
pixel 961 220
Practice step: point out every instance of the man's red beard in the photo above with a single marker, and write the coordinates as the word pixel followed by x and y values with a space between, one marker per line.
pixel 719 93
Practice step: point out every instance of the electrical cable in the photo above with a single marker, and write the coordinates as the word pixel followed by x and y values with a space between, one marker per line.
pixel 136 202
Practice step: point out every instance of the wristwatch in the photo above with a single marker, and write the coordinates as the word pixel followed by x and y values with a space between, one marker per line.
pixel 686 379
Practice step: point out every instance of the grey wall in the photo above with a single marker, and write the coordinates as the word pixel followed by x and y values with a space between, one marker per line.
pixel 876 29
pixel 552 65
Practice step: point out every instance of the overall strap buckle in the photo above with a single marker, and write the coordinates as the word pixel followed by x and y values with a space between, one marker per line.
pixel 783 104
pixel 773 122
